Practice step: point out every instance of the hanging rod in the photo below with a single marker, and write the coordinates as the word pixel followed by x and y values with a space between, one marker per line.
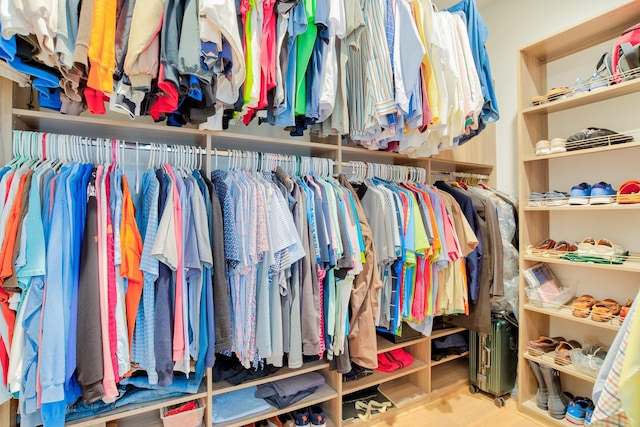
pixel 460 174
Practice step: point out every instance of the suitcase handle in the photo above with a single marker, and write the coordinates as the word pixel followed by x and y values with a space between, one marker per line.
pixel 486 357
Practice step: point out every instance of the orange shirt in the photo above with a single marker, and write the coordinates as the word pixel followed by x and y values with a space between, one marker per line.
pixel 131 249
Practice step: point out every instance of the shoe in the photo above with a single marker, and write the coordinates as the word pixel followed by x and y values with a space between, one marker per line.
pixel 283 420
pixel 558 145
pixel 563 352
pixel 556 198
pixel 316 414
pixel 545 344
pixel 542 247
pixel 543 147
pixel 302 417
pixel 536 200
pixel 579 194
pixel 588 413
pixel 603 311
pixel 557 405
pixel 595 137
pixel 580 88
pixel 624 310
pixel 582 306
pixel 577 409
pixel 597 82
pixel 602 194
pixel 629 192
pixel 542 395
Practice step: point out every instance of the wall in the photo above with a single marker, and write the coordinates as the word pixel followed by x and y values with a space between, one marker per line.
pixel 513 24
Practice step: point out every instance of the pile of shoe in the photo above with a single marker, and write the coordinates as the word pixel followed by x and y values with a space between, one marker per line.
pixel 312 416
pixel 559 404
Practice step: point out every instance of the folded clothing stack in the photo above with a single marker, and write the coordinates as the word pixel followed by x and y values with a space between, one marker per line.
pixel 237 404
pixel 394 359
pixel 286 392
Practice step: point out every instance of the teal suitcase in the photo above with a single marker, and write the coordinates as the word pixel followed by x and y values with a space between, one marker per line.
pixel 493 358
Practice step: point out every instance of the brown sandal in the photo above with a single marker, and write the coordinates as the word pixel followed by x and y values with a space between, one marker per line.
pixel 603 311
pixel 545 344
pixel 543 246
pixel 563 351
pixel 582 306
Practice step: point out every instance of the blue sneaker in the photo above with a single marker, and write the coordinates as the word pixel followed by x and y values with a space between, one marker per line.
pixel 602 194
pixel 588 414
pixel 577 409
pixel 302 417
pixel 579 194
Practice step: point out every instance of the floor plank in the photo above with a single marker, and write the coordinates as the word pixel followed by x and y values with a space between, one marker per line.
pixel 460 409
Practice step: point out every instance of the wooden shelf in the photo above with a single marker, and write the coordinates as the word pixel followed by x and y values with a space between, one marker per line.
pixel 94 127
pixel 570 369
pixel 448 359
pixel 134 409
pixel 630 266
pixel 447 377
pixel 402 393
pixel 584 35
pixel 385 345
pixel 379 377
pixel 583 208
pixel 322 394
pixel 445 332
pixel 613 147
pixel 220 387
pixel 564 312
pixel 529 407
pixel 609 92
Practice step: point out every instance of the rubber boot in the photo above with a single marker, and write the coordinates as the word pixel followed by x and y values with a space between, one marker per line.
pixel 542 395
pixel 556 403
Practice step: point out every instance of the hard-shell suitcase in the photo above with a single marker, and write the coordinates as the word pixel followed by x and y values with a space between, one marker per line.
pixel 493 358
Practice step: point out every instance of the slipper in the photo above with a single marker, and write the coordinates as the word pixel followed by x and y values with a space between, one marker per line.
pixel 629 192
pixel 551 95
pixel 604 310
pixel 582 306
pixel 561 248
pixel 545 344
pixel 543 246
pixel 563 351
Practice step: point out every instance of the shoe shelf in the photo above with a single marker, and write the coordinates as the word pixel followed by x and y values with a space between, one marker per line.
pixel 144 410
pixel 379 377
pixel 321 395
pixel 220 387
pixel 447 377
pixel 530 156
pixel 385 345
pixel 548 359
pixel 631 264
pixel 401 393
pixel 584 208
pixel 529 407
pixel 449 358
pixel 602 94
pixel 564 312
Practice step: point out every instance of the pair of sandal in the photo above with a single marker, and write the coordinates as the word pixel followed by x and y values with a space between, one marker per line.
pixel 550 247
pixel 551 95
pixel 600 311
pixel 563 351
pixel 544 344
pixel 369 407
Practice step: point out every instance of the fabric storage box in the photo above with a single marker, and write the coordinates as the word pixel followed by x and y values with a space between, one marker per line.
pixel 191 418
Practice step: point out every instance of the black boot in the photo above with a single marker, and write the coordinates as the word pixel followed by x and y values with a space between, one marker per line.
pixel 542 395
pixel 556 404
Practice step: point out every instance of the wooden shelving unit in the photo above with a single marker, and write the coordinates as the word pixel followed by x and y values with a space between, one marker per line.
pixel 407 386
pixel 538 71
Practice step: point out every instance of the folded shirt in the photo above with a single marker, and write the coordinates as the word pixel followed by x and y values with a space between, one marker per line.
pixel 290 386
pixel 237 404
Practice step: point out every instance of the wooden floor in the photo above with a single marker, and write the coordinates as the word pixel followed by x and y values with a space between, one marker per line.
pixel 461 409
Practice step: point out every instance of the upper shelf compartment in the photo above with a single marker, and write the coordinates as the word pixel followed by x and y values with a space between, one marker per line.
pixel 613 91
pixel 590 33
pixel 94 127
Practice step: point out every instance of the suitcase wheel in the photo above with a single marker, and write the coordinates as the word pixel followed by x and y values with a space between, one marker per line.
pixel 473 389
pixel 499 401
